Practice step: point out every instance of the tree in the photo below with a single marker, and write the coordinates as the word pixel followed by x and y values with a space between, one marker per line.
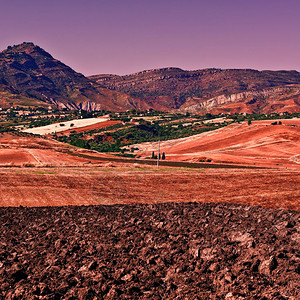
pixel 249 122
pixel 153 155
pixel 163 157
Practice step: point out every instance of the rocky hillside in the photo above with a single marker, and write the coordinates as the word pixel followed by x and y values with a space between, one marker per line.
pixel 29 76
pixel 274 99
pixel 210 89
pixel 28 72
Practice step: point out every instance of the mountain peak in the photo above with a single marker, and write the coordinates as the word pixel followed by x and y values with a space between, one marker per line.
pixel 27 48
pixel 28 70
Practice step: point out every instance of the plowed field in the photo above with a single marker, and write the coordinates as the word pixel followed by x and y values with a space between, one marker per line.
pixel 163 251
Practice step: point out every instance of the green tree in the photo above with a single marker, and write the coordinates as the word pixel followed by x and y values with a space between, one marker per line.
pixel 163 157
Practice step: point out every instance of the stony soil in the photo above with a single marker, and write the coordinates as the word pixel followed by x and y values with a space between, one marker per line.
pixel 142 251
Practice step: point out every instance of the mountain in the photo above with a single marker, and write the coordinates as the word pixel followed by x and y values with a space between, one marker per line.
pixel 31 76
pixel 207 90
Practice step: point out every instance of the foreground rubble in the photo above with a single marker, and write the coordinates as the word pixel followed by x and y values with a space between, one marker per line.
pixel 144 251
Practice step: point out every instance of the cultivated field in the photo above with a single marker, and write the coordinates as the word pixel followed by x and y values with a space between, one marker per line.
pixel 91 127
pixel 74 226
pixel 259 144
pixel 25 150
pixel 163 251
pixel 122 185
pixel 63 126
pixel 40 172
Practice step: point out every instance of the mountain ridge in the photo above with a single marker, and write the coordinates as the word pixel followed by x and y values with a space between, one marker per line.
pixel 173 88
pixel 30 75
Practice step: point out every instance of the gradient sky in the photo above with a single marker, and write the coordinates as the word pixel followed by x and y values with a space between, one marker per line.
pixel 127 36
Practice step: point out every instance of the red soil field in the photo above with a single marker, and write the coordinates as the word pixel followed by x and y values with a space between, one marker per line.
pixel 36 151
pixel 15 156
pixel 259 144
pixel 61 178
pixel 155 246
pixel 104 185
pixel 90 127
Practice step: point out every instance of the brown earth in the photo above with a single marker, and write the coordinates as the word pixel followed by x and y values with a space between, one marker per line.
pixel 109 185
pixel 259 144
pixel 163 251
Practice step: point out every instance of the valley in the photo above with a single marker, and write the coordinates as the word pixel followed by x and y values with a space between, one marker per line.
pixel 162 184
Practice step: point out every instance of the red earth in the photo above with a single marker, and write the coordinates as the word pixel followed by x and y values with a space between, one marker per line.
pixel 107 185
pixel 259 144
pixel 90 127
pixel 24 150
pixel 43 172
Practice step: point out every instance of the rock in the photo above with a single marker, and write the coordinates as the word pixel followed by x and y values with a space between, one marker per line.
pixel 92 265
pixel 214 267
pixel 86 294
pixel 44 289
pixel 267 266
pixel 242 238
pixel 17 272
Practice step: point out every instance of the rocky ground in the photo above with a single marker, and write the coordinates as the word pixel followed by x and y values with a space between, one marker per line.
pixel 147 251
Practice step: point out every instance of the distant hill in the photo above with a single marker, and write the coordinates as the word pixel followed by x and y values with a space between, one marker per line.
pixel 217 90
pixel 31 76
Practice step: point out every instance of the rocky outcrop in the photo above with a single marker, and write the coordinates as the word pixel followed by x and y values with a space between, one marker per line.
pixel 255 100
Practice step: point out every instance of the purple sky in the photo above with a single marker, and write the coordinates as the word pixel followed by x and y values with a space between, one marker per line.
pixel 126 36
